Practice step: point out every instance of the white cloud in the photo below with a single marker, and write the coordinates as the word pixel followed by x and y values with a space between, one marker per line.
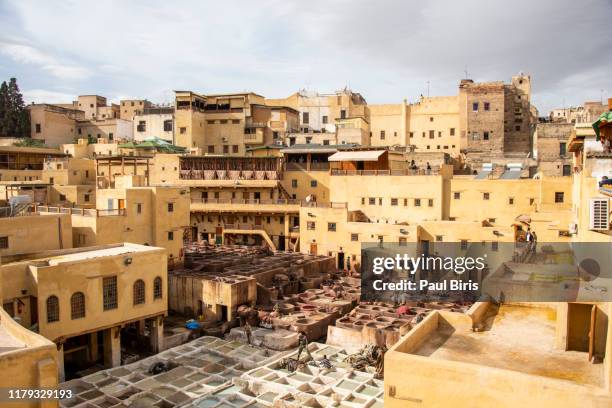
pixel 46 96
pixel 25 54
pixel 387 49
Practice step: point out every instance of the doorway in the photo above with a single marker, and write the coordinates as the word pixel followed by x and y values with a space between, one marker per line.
pixel 281 242
pixel 313 248
pixel 579 322
pixel 340 261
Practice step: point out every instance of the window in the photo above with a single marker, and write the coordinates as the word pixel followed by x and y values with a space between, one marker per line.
pixel 380 201
pixel 38 130
pixel 411 134
pixel 464 244
pixel 487 106
pixel 405 202
pixel 432 134
pixel 486 196
pixel 331 226
pixel 109 293
pixel 77 306
pixel 517 128
pixel 170 207
pixel 354 237
pixel 216 195
pixel 235 149
pixel 225 149
pixel 343 114
pixel 86 198
pixel 457 195
pixel 485 135
pixel 430 202
pixel 210 122
pixel 138 208
pixel 439 238
pixel 475 106
pixel 142 126
pixel 305 118
pixel 559 197
pixel 431 118
pixel 4 243
pixel 310 225
pixel 403 241
pixel 372 201
pixel 275 135
pixel 168 125
pixel 62 197
pixel 170 235
pixel 382 135
pixel 183 130
pixel 110 136
pixel 510 200
pixel 211 149
pixel 417 202
pixel 567 170
pixel 235 121
pixel 157 288
pixel 494 246
pixel 139 292
pixel 562 149
pixel 531 201
pixel 326 142
pixel 324 119
pixel 394 201
pixel 452 131
pixel 52 309
pixel 362 200
pixel 313 183
pixel 294 183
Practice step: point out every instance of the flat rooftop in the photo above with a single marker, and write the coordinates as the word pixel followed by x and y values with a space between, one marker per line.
pixel 517 338
pixel 125 248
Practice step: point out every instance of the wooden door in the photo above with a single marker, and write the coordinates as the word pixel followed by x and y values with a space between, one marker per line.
pixel 121 203
pixel 592 332
pixel 313 248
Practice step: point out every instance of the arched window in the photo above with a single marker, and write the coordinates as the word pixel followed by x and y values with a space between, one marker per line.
pixel 77 305
pixel 139 292
pixel 52 309
pixel 157 288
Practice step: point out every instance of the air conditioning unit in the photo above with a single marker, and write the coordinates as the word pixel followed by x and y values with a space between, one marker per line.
pixel 599 214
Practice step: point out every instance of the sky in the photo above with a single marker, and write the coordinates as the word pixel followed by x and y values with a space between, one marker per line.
pixel 386 50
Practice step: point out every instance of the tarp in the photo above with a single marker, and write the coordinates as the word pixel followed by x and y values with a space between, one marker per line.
pixel 604 120
pixel 356 155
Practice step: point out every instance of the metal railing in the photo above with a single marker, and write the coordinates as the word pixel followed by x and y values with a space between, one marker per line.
pixel 245 201
pixel 87 212
pixel 314 204
pixel 404 172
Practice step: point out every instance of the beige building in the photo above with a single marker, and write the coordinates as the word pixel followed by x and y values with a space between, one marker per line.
pixel 29 360
pixel 132 107
pixel 550 148
pixel 154 122
pixel 83 299
pixel 489 118
pixel 24 163
pixel 52 232
pixel 54 124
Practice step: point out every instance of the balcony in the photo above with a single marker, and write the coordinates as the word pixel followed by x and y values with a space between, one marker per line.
pixel 404 172
pixel 87 212
pixel 244 205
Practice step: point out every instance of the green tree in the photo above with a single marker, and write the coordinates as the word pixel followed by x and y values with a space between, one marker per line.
pixel 14 117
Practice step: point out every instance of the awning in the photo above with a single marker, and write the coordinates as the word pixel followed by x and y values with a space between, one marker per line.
pixel 356 155
pixel 524 218
pixel 604 120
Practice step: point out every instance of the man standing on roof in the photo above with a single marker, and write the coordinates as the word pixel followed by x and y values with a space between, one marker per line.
pixel 303 345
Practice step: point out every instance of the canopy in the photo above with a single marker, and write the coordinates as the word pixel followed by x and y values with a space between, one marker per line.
pixel 356 155
pixel 524 218
pixel 604 120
